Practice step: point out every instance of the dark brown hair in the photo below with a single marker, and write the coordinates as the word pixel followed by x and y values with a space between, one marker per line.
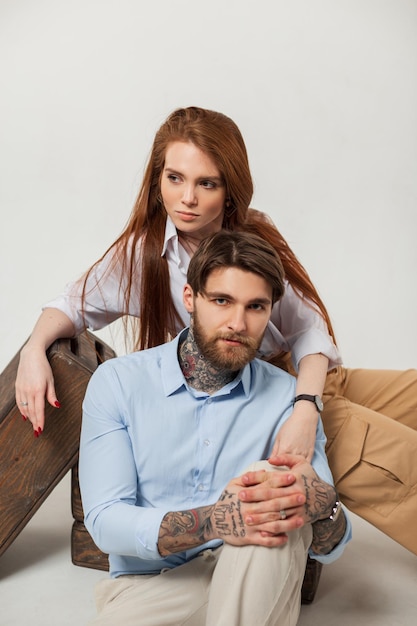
pixel 244 251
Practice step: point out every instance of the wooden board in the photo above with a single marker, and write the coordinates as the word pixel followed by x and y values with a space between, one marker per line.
pixel 31 467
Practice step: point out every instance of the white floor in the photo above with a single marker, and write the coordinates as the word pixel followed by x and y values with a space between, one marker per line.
pixel 373 584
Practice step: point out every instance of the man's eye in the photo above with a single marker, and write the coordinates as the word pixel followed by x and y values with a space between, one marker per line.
pixel 221 301
pixel 257 307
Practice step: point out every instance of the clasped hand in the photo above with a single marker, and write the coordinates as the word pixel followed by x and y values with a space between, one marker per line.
pixel 250 509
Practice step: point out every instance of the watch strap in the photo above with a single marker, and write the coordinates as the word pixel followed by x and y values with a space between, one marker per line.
pixel 305 396
pixel 315 399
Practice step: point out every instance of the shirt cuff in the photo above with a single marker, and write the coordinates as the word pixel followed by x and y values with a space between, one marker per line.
pixel 147 533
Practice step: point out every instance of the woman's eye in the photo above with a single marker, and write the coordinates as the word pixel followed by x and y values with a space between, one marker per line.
pixel 208 184
pixel 174 178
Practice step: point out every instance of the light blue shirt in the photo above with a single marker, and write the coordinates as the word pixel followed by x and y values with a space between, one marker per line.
pixel 151 444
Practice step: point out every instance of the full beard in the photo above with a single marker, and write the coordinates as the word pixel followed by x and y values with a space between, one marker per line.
pixel 221 355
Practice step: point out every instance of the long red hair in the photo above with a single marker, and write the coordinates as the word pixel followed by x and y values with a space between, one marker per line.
pixel 219 137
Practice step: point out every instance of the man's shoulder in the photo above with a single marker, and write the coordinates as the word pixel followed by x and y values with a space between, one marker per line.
pixel 272 370
pixel 137 359
pixel 268 378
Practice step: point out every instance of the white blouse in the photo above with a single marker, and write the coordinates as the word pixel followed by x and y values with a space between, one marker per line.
pixel 295 325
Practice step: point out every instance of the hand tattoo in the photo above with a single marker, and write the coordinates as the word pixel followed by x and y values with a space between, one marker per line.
pixel 320 497
pixel 226 508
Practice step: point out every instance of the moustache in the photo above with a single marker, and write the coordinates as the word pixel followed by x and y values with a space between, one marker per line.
pixel 246 341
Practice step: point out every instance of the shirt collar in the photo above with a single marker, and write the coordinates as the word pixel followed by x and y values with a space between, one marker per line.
pixel 171 235
pixel 173 378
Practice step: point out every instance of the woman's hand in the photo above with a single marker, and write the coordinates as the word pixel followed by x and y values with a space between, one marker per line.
pixel 319 495
pixel 298 434
pixel 34 382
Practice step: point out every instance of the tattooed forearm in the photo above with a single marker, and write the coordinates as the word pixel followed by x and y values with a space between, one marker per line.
pixel 182 530
pixel 327 534
pixel 320 499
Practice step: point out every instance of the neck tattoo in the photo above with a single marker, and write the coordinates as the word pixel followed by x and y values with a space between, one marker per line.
pixel 198 372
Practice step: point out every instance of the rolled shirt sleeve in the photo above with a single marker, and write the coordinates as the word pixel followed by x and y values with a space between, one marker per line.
pixel 104 300
pixel 297 327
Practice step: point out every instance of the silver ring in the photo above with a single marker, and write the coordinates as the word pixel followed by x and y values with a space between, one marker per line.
pixel 283 514
pixel 24 403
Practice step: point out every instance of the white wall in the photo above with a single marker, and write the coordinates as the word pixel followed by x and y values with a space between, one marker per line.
pixel 324 91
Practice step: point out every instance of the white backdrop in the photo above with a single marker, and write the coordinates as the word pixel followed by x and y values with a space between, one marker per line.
pixel 324 92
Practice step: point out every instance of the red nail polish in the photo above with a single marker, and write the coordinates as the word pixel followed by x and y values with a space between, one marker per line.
pixel 57 404
pixel 39 431
pixel 24 418
pixel 35 433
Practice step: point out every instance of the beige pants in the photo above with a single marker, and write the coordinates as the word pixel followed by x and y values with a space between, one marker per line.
pixel 370 419
pixel 229 586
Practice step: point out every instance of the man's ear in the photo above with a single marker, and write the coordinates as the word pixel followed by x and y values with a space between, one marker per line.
pixel 188 298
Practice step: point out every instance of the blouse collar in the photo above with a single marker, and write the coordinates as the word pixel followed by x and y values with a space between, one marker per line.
pixel 171 235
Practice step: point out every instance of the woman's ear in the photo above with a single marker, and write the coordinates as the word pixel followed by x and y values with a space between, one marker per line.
pixel 188 298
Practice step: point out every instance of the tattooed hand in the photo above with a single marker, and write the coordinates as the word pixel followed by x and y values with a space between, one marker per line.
pixel 231 519
pixel 319 495
pixel 320 498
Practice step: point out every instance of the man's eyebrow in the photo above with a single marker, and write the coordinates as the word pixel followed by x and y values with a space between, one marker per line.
pixel 227 296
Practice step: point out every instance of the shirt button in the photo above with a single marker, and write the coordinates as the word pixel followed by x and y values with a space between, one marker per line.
pixel 206 442
pixel 201 487
pixel 209 401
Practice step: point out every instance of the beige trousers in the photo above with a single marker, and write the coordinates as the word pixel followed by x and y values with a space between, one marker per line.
pixel 229 586
pixel 370 419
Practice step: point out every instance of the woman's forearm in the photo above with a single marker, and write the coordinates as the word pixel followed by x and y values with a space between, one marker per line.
pixel 310 380
pixel 298 434
pixel 52 324
pixel 312 374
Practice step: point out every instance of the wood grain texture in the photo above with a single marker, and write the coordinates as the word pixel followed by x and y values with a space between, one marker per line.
pixel 31 467
pixel 84 551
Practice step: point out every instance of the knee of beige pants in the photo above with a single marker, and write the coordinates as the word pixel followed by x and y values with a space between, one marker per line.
pixel 258 585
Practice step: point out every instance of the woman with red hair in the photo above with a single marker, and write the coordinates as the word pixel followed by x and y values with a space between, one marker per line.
pixel 197 182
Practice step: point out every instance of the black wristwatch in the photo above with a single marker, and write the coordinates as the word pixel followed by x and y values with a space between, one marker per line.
pixel 316 399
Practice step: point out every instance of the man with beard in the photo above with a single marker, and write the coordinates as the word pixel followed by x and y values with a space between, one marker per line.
pixel 199 527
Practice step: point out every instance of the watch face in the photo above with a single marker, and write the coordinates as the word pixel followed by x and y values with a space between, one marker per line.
pixel 319 403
